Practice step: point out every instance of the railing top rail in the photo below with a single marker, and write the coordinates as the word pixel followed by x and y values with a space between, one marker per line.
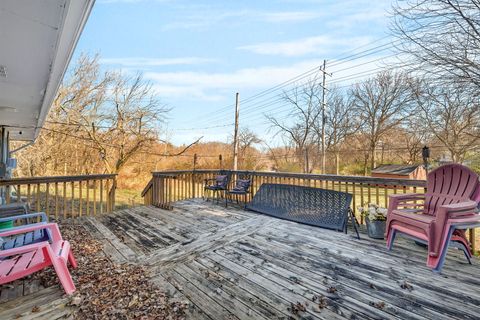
pixel 169 172
pixel 49 179
pixel 147 187
pixel 325 177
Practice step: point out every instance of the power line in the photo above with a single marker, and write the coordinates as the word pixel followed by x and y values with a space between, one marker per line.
pixel 254 110
pixel 255 107
pixel 306 74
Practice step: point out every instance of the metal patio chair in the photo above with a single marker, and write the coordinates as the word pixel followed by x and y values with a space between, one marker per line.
pixel 216 185
pixel 241 188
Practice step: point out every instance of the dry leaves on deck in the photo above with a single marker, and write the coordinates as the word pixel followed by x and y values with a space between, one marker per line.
pixel 106 290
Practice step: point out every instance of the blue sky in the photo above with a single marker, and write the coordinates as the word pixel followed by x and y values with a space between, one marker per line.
pixel 198 54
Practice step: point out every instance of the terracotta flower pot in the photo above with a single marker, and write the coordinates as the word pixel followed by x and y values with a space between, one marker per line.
pixel 376 228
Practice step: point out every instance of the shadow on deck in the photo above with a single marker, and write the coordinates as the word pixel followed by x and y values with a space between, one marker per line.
pixel 235 264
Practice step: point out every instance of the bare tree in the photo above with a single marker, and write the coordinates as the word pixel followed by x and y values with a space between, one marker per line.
pixel 99 121
pixel 414 138
pixel 118 114
pixel 442 35
pixel 299 129
pixel 452 115
pixel 382 104
pixel 248 155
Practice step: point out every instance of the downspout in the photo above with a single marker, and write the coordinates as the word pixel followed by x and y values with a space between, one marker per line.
pixel 4 151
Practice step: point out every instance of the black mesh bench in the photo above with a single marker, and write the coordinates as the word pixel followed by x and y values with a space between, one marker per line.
pixel 313 206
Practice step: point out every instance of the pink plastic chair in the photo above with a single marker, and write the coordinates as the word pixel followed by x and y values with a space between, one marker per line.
pixel 436 217
pixel 19 262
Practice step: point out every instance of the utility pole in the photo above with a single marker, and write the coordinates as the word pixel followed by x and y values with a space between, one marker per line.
pixel 324 93
pixel 195 157
pixel 235 133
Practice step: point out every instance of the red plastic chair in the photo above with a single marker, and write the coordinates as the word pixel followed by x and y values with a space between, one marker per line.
pixel 19 262
pixel 436 217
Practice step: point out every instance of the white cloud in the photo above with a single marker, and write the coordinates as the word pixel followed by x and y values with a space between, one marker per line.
pixel 300 47
pixel 290 16
pixel 216 86
pixel 205 18
pixel 349 21
pixel 154 62
pixel 184 91
pixel 211 87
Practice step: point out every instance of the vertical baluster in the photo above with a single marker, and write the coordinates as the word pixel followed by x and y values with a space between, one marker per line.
pixel 72 185
pixel 7 195
pixel 362 199
pixel 56 200
pixel 19 193
pixel 369 193
pixel 185 185
pixel 64 199
pixel 101 196
pixel 164 191
pixel 354 198
pixel 29 192
pixel 107 196
pixel 80 198
pixel 94 197
pixel 47 198
pixel 38 197
pixel 175 190
pixel 170 191
pixel 88 197
pixel 180 187
pixel 193 185
pixel 252 187
pixel 155 191
pixel 377 195
pixel 472 240
pixel 385 196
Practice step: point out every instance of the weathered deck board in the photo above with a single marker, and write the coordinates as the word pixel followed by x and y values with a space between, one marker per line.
pixel 235 264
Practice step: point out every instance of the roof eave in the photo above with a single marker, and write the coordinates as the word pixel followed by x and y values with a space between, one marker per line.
pixel 74 20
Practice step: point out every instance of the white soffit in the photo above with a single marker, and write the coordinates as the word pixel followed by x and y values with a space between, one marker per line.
pixel 37 40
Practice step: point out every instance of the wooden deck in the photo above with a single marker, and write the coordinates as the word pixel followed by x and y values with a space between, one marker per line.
pixel 234 264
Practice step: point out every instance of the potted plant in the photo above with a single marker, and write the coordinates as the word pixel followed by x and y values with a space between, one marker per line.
pixel 375 217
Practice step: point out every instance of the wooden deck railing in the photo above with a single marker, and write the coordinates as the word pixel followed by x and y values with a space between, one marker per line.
pixel 166 187
pixel 64 196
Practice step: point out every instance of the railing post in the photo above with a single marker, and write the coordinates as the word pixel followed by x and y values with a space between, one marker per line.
pixel 193 184
pixel 114 188
pixel 472 239
pixel 107 196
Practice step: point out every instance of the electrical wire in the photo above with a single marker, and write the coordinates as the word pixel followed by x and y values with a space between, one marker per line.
pixel 304 75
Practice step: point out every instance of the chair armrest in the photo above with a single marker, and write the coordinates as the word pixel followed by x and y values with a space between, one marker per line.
pixel 407 196
pixel 461 209
pixel 42 215
pixel 23 249
pixel 52 227
pixel 401 200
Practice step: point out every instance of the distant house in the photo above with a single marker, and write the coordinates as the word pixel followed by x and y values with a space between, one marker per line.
pixel 416 171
